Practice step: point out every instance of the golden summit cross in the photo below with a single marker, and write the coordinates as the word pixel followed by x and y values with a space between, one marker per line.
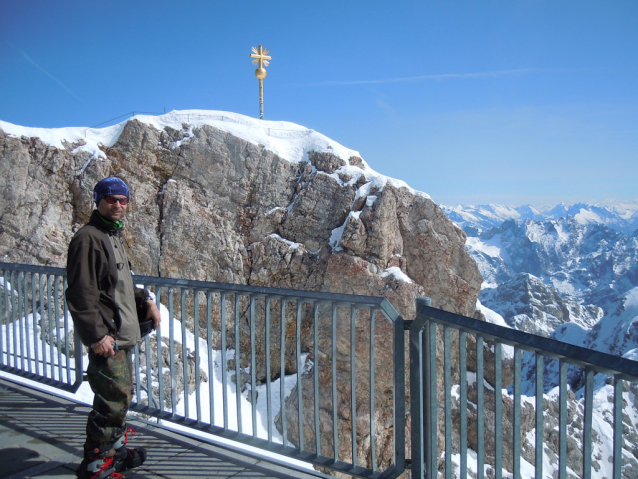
pixel 260 56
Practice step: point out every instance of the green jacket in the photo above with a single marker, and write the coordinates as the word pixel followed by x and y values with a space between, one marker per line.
pixel 92 269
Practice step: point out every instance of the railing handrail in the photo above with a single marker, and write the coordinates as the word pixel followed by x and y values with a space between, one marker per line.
pixel 32 268
pixel 599 361
pixel 213 286
pixel 328 297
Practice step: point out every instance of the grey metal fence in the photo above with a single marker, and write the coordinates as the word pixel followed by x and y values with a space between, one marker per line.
pixel 298 373
pixel 36 339
pixel 536 382
pixel 292 372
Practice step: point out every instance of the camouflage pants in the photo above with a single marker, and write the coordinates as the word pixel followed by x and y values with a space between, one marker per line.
pixel 111 380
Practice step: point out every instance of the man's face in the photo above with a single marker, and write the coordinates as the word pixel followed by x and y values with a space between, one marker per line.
pixel 112 210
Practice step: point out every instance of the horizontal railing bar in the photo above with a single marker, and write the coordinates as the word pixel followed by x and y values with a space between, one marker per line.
pixel 289 451
pixel 287 294
pixel 264 290
pixel 32 268
pixel 203 286
pixel 577 355
pixel 47 381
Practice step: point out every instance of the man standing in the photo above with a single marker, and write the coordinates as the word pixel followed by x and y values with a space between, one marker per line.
pixel 103 303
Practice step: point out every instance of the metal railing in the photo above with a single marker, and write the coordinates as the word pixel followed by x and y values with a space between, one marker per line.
pixel 298 373
pixel 543 374
pixel 292 372
pixel 35 334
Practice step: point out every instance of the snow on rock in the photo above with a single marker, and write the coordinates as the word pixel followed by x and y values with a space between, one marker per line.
pixel 491 316
pixel 288 140
pixel 617 332
pixel 396 272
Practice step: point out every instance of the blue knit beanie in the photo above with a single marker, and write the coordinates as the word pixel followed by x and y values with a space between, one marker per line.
pixel 109 186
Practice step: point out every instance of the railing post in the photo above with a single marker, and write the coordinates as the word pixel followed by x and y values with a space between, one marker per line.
pixel 423 301
pixel 420 406
pixel 480 407
pixel 588 422
pixel 618 428
pixel 399 393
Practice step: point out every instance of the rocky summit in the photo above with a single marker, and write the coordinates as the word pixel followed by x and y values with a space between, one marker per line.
pixel 221 197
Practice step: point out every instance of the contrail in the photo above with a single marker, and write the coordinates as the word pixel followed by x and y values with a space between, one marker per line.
pixel 443 76
pixel 32 62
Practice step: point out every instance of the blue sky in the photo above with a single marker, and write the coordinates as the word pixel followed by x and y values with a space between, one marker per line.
pixel 509 102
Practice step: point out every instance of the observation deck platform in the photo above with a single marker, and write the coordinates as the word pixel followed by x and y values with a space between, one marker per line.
pixel 41 435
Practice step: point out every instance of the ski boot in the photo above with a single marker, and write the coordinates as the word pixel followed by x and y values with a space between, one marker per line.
pixel 125 457
pixel 97 465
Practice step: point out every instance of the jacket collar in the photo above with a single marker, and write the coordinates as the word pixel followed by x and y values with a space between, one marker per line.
pixel 101 223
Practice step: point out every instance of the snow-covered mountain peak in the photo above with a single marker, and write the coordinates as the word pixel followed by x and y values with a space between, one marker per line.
pixel 622 216
pixel 288 140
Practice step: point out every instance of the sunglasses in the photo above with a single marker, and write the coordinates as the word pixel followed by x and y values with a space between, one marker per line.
pixel 111 200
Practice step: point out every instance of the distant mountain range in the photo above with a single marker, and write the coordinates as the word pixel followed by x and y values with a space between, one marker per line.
pixel 568 272
pixel 621 216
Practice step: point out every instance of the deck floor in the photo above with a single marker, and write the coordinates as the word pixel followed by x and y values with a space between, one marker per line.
pixel 42 436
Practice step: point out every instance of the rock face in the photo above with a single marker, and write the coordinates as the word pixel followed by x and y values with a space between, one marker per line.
pixel 220 208
pixel 208 205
